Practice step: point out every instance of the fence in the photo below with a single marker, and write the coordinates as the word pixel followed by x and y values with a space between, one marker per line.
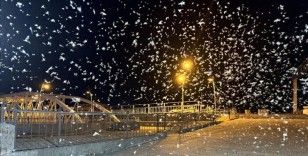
pixel 169 107
pixel 49 129
pixel 31 124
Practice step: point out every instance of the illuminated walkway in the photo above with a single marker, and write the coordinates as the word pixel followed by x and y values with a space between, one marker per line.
pixel 238 137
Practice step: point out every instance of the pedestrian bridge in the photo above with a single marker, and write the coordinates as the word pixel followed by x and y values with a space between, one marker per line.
pixel 34 101
pixel 50 120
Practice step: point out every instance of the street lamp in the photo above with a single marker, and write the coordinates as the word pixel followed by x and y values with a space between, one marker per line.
pixel 212 80
pixel 181 79
pixel 186 67
pixel 91 96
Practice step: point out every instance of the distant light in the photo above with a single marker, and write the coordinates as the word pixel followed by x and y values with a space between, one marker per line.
pixel 89 92
pixel 210 79
pixel 180 79
pixel 46 86
pixel 187 64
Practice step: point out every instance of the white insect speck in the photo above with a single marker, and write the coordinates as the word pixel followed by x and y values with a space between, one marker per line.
pixel 96 134
pixel 27 39
pixel 79 9
pixel 182 3
pixel 19 4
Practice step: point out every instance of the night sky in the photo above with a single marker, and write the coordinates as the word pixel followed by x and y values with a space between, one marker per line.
pixel 128 52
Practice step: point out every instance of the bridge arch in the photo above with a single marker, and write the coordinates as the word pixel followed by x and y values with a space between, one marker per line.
pixel 52 103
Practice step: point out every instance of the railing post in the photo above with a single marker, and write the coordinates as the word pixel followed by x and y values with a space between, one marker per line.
pixel 2 113
pixel 59 117
pixel 164 107
pixel 165 121
pixel 15 122
pixel 149 111
pixel 15 114
pixel 126 124
pixel 52 124
pixel 157 123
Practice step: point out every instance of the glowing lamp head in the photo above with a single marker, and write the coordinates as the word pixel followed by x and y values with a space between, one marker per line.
pixel 46 86
pixel 180 79
pixel 187 64
pixel 210 79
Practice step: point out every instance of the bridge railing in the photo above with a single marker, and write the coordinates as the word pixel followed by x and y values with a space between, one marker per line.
pixel 64 128
pixel 189 106
pixel 31 124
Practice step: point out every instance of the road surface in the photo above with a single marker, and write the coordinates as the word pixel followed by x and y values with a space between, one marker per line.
pixel 236 137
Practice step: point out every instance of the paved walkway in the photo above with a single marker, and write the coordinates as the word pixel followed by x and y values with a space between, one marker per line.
pixel 237 137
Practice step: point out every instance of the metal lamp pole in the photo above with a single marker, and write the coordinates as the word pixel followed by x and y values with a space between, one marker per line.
pixel 214 90
pixel 182 103
pixel 186 67
pixel 181 80
pixel 40 97
pixel 92 106
pixel 91 98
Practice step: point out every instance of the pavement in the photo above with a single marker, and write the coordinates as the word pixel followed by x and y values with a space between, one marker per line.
pixel 262 137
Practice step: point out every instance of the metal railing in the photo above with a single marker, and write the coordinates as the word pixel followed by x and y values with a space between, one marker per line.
pixel 168 107
pixel 31 124
pixel 63 128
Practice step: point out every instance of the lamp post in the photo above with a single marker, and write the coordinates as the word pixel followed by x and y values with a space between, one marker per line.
pixel 91 97
pixel 181 79
pixel 186 67
pixel 212 80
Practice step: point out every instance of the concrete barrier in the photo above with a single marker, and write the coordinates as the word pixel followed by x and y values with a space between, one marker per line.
pixel 91 148
pixel 7 138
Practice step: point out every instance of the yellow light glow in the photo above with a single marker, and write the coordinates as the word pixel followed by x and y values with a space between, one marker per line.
pixel 187 64
pixel 180 79
pixel 46 86
pixel 210 79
